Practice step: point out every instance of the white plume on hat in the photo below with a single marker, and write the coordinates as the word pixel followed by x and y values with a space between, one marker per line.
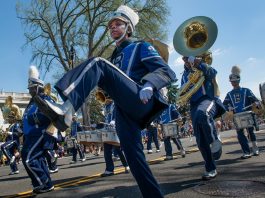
pixel 126 14
pixel 236 70
pixel 33 72
pixel 235 74
pixel 34 77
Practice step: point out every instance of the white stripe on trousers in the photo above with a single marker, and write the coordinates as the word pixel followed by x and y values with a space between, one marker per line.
pixel 208 119
pixel 29 158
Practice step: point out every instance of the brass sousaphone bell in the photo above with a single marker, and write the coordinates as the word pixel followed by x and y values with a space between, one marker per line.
pixel 194 37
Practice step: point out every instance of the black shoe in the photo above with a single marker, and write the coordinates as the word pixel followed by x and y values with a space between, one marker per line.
pixel 57 119
pixel 106 174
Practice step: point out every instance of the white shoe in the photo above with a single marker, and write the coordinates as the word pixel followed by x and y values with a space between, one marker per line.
pixel 127 169
pixel 82 160
pixel 149 151
pixel 183 153
pixel 168 157
pixel 116 159
pixel 15 172
pixel 73 162
pixel 255 148
pixel 157 150
pixel 256 152
pixel 107 173
pixel 53 171
pixel 245 156
pixel 209 175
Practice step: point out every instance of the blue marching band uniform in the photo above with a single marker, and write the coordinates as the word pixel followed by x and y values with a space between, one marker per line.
pixel 152 134
pixel 35 124
pixel 204 107
pixel 169 115
pixel 38 140
pixel 110 149
pixel 75 127
pixel 12 145
pixel 134 76
pixel 239 100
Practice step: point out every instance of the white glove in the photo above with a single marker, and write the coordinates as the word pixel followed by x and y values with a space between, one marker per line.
pixel 112 123
pixel 230 108
pixel 146 92
pixel 93 125
pixel 191 60
pixel 257 103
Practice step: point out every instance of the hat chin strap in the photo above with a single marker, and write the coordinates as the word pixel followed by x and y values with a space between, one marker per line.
pixel 123 35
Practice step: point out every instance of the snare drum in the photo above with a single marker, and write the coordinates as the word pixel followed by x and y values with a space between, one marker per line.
pixel 93 136
pixel 170 129
pixel 81 136
pixel 110 137
pixel 244 120
pixel 70 143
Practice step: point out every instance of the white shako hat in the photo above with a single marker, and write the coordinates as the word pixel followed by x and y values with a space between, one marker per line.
pixel 127 15
pixel 34 77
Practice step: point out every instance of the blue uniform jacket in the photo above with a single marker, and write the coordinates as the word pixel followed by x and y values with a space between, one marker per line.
pixel 207 89
pixel 169 114
pixel 239 99
pixel 75 127
pixel 15 130
pixel 141 62
pixel 34 121
pixel 109 112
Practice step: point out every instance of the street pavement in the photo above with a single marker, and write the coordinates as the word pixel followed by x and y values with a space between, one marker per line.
pixel 180 177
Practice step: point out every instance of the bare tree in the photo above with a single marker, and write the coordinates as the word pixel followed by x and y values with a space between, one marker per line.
pixel 62 33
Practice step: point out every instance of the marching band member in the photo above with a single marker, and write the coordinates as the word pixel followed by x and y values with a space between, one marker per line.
pixel 137 75
pixel 240 99
pixel 170 115
pixel 12 143
pixel 205 106
pixel 109 148
pixel 35 127
pixel 75 127
pixel 152 134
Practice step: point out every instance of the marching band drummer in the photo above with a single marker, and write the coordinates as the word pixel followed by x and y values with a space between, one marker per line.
pixel 168 116
pixel 75 127
pixel 109 113
pixel 137 75
pixel 12 143
pixel 35 126
pixel 204 107
pixel 241 99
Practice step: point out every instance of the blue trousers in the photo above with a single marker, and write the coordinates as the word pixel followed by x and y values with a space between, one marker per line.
pixel 204 129
pixel 108 149
pixel 131 114
pixel 152 135
pixel 34 161
pixel 50 144
pixel 243 141
pixel 168 147
pixel 76 149
pixel 8 149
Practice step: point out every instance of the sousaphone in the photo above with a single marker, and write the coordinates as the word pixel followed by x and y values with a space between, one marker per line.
pixel 194 37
